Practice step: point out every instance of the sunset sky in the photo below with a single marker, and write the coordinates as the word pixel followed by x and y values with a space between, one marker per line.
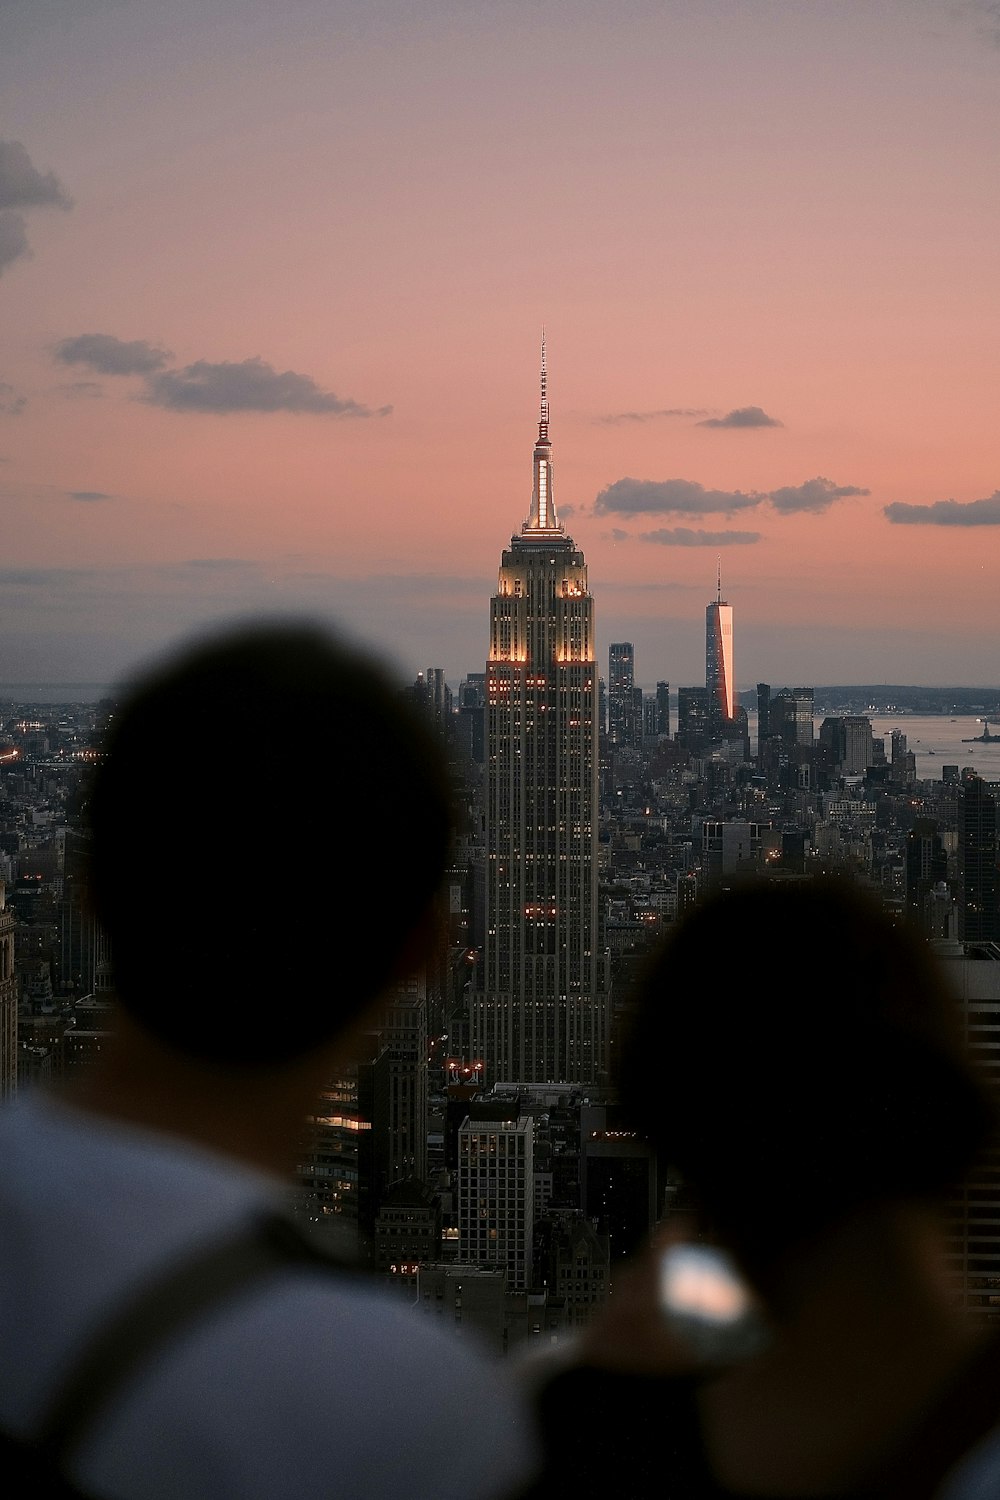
pixel 272 279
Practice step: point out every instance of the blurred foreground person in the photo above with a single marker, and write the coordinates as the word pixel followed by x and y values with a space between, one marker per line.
pixel 269 828
pixel 796 1059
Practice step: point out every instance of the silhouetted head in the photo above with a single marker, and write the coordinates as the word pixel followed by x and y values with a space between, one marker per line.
pixel 797 1057
pixel 270 822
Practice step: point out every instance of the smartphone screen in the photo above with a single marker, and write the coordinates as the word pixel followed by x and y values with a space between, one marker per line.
pixel 705 1299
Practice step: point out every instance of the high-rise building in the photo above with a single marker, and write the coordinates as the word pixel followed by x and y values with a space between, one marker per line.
pixel 859 746
pixel 925 870
pixel 979 913
pixel 399 1138
pixel 693 710
pixel 763 713
pixel 540 1013
pixel 495 1197
pixel 719 661
pixel 790 715
pixel 663 710
pixel 621 694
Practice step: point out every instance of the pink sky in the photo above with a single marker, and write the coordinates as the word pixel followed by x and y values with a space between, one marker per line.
pixel 788 206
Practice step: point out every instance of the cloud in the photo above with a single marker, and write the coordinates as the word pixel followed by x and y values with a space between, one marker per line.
pixel 206 385
pixel 984 512
pixel 685 497
pixel 650 416
pixel 678 496
pixel 111 356
pixel 617 535
pixel 23 186
pixel 682 536
pixel 90 389
pixel 814 495
pixel 21 183
pixel 743 416
pixel 88 495
pixel 11 404
pixel 247 385
pixel 13 238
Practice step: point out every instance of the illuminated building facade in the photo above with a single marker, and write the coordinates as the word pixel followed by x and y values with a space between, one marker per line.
pixel 495 1202
pixel 719 660
pixel 541 1010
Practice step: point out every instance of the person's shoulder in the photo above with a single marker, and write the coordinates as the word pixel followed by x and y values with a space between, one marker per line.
pixel 314 1374
pixel 977 1476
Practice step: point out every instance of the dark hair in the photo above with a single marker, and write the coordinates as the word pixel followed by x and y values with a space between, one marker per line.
pixel 270 821
pixel 797 1056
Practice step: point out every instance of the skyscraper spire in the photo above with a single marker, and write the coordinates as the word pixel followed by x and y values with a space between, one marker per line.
pixel 543 416
pixel 718 584
pixel 542 516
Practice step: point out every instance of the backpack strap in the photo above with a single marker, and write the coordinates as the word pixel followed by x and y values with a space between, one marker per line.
pixel 164 1306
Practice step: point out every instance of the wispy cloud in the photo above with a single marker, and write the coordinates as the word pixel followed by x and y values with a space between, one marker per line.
pixel 247 385
pixel 111 356
pixel 88 495
pixel 743 416
pixel 90 390
pixel 682 536
pixel 686 497
pixel 213 386
pixel 23 186
pixel 814 495
pixel 984 512
pixel 617 419
pixel 11 404
pixel 21 183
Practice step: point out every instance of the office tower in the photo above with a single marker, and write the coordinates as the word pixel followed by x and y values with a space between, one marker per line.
pixel 433 694
pixel 469 719
pixel 650 721
pixel 719 661
pixel 692 717
pixel 904 762
pixel 8 1001
pixel 790 715
pixel 979 916
pixel 663 710
pixel 541 1011
pixel 763 713
pixel 334 1167
pixel 833 736
pixel 859 745
pixel 399 1126
pixel 974 1208
pixel 618 1180
pixel 621 694
pixel 926 868
pixel 496 1197
pixel 730 850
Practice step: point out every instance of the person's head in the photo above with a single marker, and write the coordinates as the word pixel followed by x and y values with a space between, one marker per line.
pixel 797 1057
pixel 270 822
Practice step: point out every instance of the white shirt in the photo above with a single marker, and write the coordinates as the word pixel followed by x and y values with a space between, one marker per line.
pixel 304 1385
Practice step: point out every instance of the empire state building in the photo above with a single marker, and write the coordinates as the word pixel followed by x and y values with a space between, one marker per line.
pixel 541 1012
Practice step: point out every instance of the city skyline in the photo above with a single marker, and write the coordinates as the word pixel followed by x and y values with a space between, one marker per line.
pixel 272 286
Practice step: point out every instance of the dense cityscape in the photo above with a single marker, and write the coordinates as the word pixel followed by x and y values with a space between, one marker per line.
pixel 474 1157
